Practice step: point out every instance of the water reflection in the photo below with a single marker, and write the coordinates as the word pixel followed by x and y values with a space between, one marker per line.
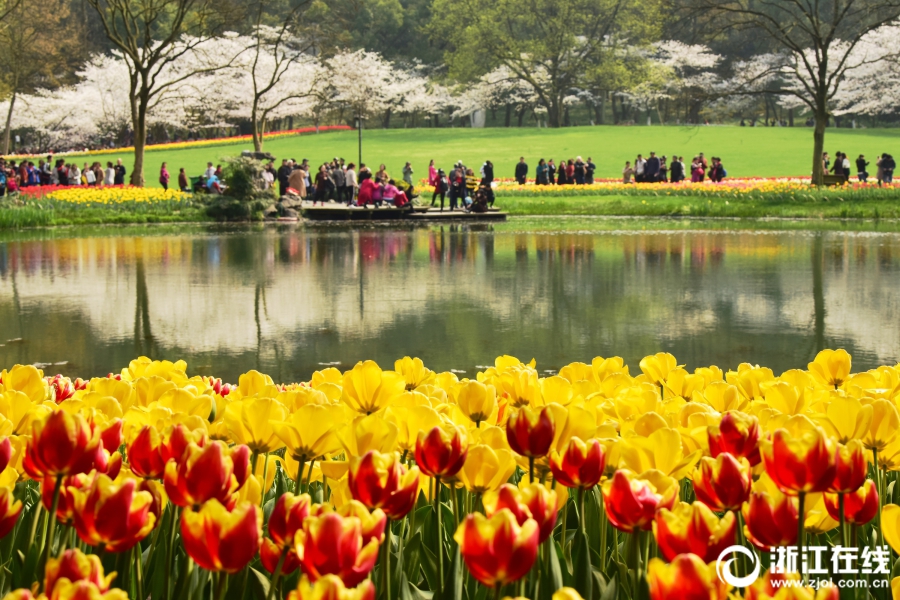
pixel 286 301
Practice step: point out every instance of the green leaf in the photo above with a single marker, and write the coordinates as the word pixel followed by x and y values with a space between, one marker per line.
pixel 609 590
pixel 581 563
pixel 457 577
pixel 259 583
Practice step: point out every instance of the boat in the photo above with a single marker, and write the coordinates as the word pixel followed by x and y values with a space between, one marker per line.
pixel 342 212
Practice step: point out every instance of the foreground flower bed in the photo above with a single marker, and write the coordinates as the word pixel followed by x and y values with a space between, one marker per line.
pixel 127 196
pixel 593 483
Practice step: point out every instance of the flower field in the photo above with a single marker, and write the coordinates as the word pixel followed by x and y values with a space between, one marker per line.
pixel 115 197
pixel 592 483
pixel 776 189
pixel 195 143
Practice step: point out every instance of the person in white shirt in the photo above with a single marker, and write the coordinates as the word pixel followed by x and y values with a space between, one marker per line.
pixel 639 168
pixel 210 170
pixel 89 176
pixel 74 175
pixel 110 176
pixel 350 182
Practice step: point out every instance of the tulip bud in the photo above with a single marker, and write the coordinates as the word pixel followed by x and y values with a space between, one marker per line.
pixel 6 452
pixel 113 515
pixel 531 502
pixel 333 545
pixel 287 518
pixel 738 434
pixel 63 444
pixel 631 500
pixel 497 551
pixel 771 519
pixel 860 506
pixel 10 509
pixel 530 433
pixel 441 452
pixel 201 475
pixel 372 524
pixel 219 540
pixel 177 439
pixel 799 464
pixel 851 467
pixel 61 388
pixel 145 454
pixel 686 577
pixel 379 480
pixel 580 465
pixel 477 401
pixel 331 587
pixel 722 483
pixel 695 529
pixel 74 565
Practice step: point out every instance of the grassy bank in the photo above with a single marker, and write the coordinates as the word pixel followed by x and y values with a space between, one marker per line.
pixel 22 217
pixel 666 206
pixel 759 151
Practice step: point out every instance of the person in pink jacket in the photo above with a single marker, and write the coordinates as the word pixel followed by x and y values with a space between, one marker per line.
pixel 164 176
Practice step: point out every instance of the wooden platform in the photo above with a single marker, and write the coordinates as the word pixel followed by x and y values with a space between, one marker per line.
pixel 342 212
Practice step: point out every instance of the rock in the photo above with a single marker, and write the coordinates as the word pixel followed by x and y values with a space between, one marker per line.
pixel 290 212
pixel 271 211
pixel 290 201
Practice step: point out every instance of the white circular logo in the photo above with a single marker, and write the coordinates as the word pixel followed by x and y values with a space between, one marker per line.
pixel 723 567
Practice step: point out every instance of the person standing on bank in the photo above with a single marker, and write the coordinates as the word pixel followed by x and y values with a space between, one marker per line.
pixel 589 169
pixel 163 177
pixel 579 171
pixel 540 173
pixel 284 171
pixel 861 164
pixel 120 172
pixel 521 171
pixel 651 169
pixel 551 172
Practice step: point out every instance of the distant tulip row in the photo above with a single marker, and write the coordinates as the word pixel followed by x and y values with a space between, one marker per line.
pixel 592 483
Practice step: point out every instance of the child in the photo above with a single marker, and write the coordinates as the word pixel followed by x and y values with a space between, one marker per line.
pixel 627 172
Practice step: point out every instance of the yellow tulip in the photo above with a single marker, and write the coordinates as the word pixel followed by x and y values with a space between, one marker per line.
pixel 830 368
pixel 302 396
pixel 371 432
pixel 309 432
pixel 249 422
pixel 884 425
pixel 329 375
pixel 721 396
pixel 477 401
pixel 846 419
pixel 604 368
pixel 890 525
pixel 662 450
pixel 817 520
pixel 368 389
pixel 486 469
pixel 413 371
pixel 785 398
pixel 750 380
pixel 148 390
pixel 682 384
pixel 18 408
pixel 657 367
pixel 636 400
pixel 252 383
pixel 557 389
pixel 410 421
pixel 577 371
pixel 144 367
pixel 26 379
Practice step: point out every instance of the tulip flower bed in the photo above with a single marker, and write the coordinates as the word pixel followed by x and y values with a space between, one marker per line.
pixel 62 205
pixel 592 483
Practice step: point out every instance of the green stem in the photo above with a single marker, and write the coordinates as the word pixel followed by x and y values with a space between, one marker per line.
pixel 139 572
pixel 277 574
pixel 312 463
pixel 170 551
pixel 843 519
pixel 634 553
pixel 297 482
pixel 454 506
pixel 39 514
pixel 581 519
pixel 223 586
pixel 801 526
pixel 531 469
pixel 51 519
pixel 386 563
pixel 440 535
pixel 604 526
pixel 262 500
pixel 565 514
pixel 498 592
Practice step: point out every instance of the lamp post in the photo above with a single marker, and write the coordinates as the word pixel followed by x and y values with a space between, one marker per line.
pixel 359 126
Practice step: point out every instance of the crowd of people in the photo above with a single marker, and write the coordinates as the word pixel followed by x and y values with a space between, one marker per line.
pixel 18 175
pixel 884 167
pixel 658 169
pixel 574 171
pixel 462 187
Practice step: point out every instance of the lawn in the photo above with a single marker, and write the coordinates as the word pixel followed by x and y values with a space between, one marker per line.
pixel 745 151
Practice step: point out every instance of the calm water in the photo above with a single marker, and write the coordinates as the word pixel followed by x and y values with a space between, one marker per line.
pixel 289 300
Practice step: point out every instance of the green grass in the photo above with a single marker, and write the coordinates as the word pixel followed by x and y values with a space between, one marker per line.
pixel 745 151
pixel 29 216
pixel 659 206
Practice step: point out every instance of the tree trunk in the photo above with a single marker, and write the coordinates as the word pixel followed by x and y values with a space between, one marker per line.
pixel 521 115
pixel 254 122
pixel 9 114
pixel 386 121
pixel 508 115
pixel 791 117
pixel 818 170
pixel 139 120
pixel 601 108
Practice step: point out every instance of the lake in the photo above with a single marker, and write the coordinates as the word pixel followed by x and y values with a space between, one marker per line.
pixel 289 300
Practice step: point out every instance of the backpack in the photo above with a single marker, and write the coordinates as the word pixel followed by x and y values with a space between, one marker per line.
pixel 445 185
